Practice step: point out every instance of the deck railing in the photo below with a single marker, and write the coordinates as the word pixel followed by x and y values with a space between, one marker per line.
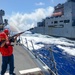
pixel 53 63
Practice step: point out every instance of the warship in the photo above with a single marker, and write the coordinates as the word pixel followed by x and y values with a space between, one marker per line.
pixel 26 62
pixel 61 23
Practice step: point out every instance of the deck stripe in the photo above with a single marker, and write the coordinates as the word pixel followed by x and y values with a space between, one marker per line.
pixel 30 70
pixel 6 74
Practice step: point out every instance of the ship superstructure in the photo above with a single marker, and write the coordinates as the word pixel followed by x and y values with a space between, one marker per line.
pixel 3 22
pixel 61 23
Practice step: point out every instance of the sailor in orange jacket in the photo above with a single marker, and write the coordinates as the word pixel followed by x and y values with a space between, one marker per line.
pixel 6 50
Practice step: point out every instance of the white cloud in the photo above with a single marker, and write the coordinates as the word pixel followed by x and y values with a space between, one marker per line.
pixel 21 21
pixel 40 3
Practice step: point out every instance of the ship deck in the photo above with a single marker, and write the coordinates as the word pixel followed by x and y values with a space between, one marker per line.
pixel 24 62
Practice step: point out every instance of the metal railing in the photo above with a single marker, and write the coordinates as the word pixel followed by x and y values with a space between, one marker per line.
pixel 53 63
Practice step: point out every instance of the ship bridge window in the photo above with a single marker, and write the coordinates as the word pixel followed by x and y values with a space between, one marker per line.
pixel 73 23
pixel 66 21
pixel 61 21
pixel 40 24
pixel 55 22
pixel 51 22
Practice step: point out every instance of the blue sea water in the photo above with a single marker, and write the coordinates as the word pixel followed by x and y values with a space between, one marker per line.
pixel 65 63
pixel 63 51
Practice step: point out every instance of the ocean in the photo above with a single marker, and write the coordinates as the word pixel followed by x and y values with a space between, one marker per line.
pixel 63 51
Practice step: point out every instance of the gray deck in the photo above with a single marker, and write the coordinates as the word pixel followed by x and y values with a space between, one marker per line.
pixel 23 60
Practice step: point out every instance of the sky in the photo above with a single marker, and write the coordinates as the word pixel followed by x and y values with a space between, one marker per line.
pixel 24 14
pixel 26 6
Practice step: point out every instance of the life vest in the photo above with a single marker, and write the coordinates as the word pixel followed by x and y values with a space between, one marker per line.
pixel 7 49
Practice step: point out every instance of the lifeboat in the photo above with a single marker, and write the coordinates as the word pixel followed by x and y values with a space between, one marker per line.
pixel 57 14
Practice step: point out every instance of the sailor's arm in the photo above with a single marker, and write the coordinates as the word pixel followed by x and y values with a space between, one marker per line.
pixel 2 43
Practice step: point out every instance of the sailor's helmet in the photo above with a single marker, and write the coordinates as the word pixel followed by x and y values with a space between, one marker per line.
pixel 6 31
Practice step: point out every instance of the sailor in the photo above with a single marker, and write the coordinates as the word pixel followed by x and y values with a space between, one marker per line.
pixel 18 41
pixel 6 50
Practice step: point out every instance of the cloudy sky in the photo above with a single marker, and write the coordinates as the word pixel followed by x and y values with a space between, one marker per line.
pixel 26 13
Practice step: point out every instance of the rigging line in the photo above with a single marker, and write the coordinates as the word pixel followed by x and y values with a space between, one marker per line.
pixel 40 55
pixel 50 62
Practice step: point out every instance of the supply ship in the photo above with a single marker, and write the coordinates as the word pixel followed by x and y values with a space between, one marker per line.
pixel 61 23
